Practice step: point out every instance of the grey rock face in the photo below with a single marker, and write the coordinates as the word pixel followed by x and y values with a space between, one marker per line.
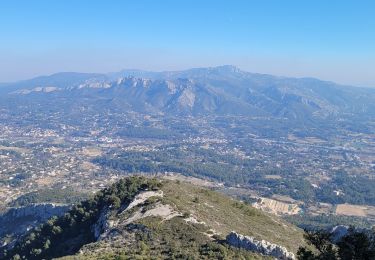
pixel 338 232
pixel 263 247
pixel 102 225
pixel 17 221
pixel 42 211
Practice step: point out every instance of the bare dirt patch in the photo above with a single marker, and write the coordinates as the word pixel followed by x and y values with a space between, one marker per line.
pixel 45 181
pixel 351 210
pixel 91 151
pixel 87 166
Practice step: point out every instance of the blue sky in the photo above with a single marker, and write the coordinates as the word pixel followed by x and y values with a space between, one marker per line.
pixel 329 39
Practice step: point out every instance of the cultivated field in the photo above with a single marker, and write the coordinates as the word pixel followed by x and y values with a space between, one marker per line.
pixel 277 207
pixel 355 210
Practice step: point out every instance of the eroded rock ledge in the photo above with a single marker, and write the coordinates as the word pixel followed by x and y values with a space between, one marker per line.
pixel 263 247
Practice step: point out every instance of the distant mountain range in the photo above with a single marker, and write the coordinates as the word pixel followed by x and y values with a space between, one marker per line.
pixel 223 90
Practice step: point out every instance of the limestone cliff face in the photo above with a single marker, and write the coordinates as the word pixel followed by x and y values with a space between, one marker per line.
pixel 263 247
pixel 102 226
pixel 17 221
pixel 41 211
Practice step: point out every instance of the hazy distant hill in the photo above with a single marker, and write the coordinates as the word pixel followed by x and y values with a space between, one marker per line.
pixel 60 80
pixel 224 90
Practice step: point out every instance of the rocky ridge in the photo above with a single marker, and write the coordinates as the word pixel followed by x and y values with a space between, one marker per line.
pixel 149 218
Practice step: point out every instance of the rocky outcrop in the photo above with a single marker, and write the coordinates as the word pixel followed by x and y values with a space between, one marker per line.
pixel 109 222
pixel 263 247
pixel 338 232
pixel 142 197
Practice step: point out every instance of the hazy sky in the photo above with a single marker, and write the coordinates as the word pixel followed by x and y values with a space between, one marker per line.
pixel 328 39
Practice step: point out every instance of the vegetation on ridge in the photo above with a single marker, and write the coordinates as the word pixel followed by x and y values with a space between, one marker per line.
pixel 355 245
pixel 213 216
pixel 65 235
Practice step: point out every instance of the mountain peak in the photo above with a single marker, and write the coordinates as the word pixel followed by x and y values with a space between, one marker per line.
pixel 227 68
